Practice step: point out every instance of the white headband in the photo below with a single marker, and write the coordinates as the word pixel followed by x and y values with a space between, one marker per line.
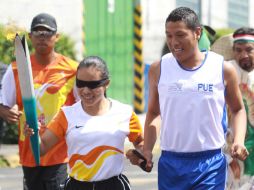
pixel 243 38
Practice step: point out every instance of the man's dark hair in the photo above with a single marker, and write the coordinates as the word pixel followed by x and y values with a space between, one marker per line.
pixel 185 14
pixel 244 30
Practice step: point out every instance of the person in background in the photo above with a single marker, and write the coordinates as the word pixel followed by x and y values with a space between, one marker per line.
pixel 3 68
pixel 53 78
pixel 243 54
pixel 95 129
pixel 188 92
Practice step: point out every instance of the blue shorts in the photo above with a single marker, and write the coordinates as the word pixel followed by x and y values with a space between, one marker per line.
pixel 204 170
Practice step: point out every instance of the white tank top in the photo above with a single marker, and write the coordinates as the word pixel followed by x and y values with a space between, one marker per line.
pixel 192 105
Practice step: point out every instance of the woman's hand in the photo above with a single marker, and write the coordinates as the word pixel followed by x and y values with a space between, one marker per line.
pixel 28 131
pixel 133 158
pixel 136 157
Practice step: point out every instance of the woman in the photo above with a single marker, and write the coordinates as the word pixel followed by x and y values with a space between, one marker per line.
pixel 95 129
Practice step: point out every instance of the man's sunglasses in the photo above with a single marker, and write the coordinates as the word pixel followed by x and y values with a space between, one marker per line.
pixel 44 33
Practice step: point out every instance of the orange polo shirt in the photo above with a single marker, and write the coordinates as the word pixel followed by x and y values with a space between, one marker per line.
pixel 53 84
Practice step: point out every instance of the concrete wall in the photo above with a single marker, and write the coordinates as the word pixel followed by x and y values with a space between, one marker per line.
pixel 68 14
pixel 251 12
pixel 155 13
pixel 214 13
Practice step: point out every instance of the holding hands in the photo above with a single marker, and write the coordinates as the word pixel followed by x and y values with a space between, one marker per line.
pixel 137 158
pixel 149 156
pixel 239 151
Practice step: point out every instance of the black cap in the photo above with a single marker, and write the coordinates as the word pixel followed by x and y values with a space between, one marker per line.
pixel 44 20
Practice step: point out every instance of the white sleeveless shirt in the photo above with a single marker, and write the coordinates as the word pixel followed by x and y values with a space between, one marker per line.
pixel 192 105
pixel 96 143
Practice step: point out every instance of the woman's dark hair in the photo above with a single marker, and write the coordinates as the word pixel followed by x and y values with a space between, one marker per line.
pixel 97 62
pixel 185 14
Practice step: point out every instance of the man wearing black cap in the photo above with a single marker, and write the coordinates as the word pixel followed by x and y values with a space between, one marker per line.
pixel 44 20
pixel 54 77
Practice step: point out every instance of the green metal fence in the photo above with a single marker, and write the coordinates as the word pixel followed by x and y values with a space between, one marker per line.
pixel 108 32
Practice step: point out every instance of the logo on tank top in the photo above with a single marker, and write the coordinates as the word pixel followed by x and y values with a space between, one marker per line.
pixel 175 87
pixel 189 86
pixel 202 87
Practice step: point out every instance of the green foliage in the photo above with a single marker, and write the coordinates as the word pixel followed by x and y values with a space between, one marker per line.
pixel 8 133
pixel 222 32
pixel 6 47
pixel 65 46
pixel 3 162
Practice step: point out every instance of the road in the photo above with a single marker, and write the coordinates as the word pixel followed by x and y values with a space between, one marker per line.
pixel 11 178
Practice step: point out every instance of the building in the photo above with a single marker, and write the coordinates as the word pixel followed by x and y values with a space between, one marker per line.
pixel 105 27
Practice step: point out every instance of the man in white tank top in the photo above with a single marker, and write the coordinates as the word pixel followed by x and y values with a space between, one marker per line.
pixel 187 97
